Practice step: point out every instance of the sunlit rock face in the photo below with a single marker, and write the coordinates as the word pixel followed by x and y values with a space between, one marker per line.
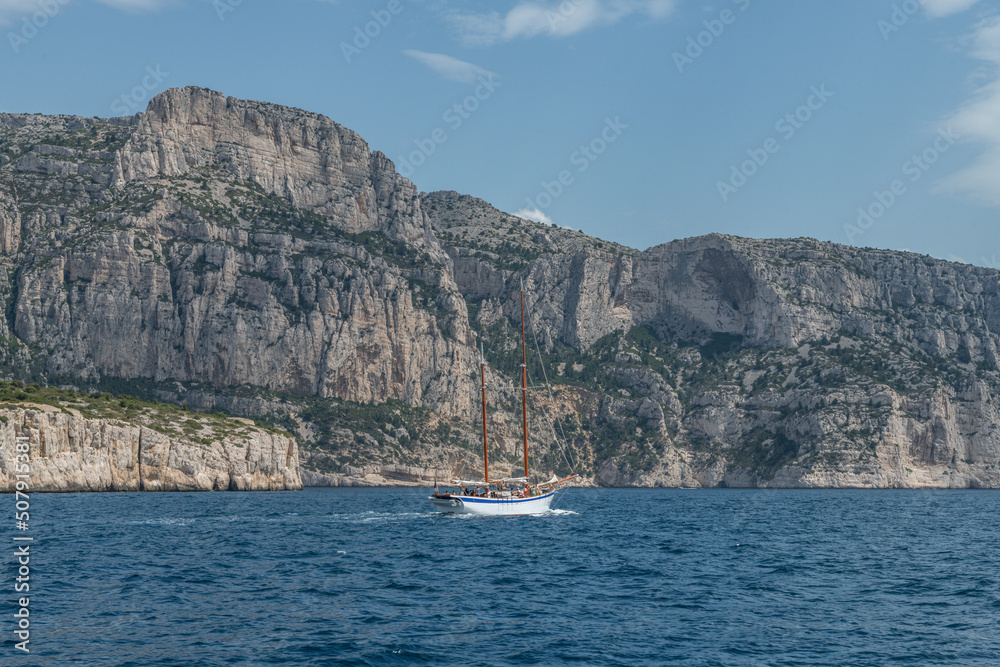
pixel 242 255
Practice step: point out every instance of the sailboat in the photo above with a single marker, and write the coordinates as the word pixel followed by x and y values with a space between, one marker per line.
pixel 508 496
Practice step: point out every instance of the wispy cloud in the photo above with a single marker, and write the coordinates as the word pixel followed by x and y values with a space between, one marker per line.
pixel 552 18
pixel 938 8
pixel 15 10
pixel 448 67
pixel 977 121
pixel 136 5
pixel 534 214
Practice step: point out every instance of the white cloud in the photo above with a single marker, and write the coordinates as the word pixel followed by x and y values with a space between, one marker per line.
pixel 939 8
pixel 134 5
pixel 14 10
pixel 534 214
pixel 448 67
pixel 11 10
pixel 552 18
pixel 976 121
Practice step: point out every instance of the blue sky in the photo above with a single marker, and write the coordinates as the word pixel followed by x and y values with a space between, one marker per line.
pixel 870 122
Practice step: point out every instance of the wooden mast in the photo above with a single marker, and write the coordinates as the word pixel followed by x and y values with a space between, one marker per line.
pixel 486 454
pixel 524 383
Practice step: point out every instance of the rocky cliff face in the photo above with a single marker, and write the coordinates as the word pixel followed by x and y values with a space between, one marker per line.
pixel 314 163
pixel 241 255
pixel 231 243
pixel 740 362
pixel 68 452
pixel 772 293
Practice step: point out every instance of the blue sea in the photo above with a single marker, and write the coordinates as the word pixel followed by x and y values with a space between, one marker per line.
pixel 611 577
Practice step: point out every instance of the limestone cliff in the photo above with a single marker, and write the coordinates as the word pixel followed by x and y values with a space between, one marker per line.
pixel 239 255
pixel 70 452
pixel 741 362
pixel 232 243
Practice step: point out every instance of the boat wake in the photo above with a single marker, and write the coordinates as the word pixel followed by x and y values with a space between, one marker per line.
pixel 468 516
pixel 386 517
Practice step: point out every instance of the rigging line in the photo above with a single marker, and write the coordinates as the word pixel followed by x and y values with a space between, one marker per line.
pixel 556 498
pixel 552 401
pixel 503 383
pixel 555 437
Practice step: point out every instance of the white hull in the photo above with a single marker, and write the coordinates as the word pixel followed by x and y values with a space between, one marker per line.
pixel 456 504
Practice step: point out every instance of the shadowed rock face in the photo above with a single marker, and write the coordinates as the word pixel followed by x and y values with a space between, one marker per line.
pixel 225 246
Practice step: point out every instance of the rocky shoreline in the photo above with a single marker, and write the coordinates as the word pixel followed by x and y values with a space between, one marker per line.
pixel 263 261
pixel 70 453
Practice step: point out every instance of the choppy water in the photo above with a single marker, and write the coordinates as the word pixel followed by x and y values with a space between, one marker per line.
pixel 613 577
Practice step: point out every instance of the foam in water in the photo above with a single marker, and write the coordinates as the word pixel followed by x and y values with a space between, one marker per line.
pixel 630 577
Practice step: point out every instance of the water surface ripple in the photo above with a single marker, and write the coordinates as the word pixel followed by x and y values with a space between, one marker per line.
pixel 612 577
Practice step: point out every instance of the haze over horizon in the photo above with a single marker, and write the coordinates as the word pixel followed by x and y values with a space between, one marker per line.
pixel 636 121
